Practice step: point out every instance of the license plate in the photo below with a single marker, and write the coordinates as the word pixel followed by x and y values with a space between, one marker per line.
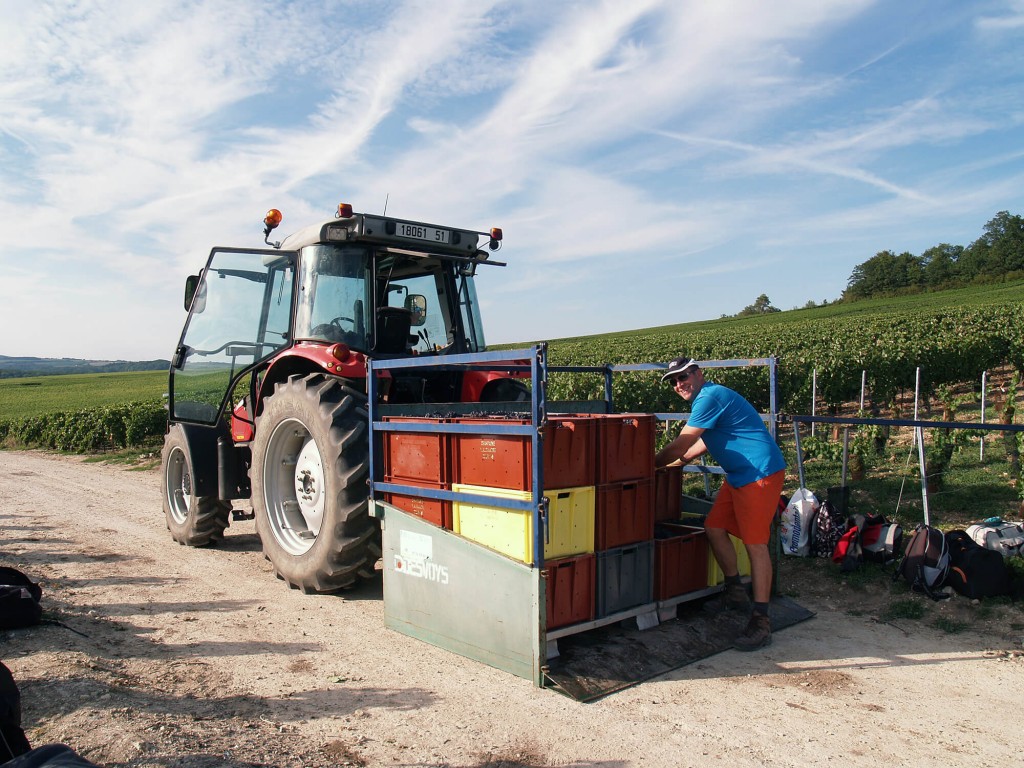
pixel 418 232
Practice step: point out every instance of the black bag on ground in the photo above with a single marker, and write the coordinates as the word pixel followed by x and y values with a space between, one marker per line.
pixel 827 526
pixel 925 564
pixel 19 599
pixel 975 571
pixel 12 738
pixel 51 756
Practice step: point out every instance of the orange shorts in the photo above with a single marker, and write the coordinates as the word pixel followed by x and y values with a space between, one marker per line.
pixel 747 512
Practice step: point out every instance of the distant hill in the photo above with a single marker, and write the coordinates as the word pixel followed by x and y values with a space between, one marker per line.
pixel 22 367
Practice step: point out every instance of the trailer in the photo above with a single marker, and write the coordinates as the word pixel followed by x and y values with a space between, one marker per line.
pixel 519 577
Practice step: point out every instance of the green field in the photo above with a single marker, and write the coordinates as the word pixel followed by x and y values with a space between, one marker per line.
pixel 39 395
pixel 952 335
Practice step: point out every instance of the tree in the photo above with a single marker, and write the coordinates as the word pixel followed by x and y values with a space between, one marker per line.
pixel 762 306
pixel 884 274
pixel 941 265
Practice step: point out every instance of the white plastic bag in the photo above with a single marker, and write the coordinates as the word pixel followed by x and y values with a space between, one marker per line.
pixel 795 528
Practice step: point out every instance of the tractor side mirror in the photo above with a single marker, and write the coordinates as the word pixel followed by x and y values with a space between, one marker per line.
pixel 417 305
pixel 191 286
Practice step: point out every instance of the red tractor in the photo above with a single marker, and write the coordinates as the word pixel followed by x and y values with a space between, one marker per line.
pixel 268 382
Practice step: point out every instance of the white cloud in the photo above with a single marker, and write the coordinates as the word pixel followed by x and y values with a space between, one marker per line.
pixel 730 145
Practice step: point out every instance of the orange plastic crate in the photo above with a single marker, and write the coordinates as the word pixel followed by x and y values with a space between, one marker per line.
pixel 680 561
pixel 625 447
pixel 570 590
pixel 668 493
pixel 506 461
pixel 417 456
pixel 436 511
pixel 624 514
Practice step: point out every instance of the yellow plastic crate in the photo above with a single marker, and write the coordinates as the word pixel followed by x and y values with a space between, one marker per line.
pixel 509 531
pixel 715 575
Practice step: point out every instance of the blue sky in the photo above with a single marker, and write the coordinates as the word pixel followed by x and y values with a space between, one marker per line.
pixel 651 162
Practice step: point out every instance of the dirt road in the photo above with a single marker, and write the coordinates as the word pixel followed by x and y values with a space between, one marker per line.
pixel 200 657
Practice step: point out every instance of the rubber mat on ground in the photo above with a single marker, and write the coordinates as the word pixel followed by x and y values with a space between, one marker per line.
pixel 601 661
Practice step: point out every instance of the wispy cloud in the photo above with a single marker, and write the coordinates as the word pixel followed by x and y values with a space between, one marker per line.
pixel 626 148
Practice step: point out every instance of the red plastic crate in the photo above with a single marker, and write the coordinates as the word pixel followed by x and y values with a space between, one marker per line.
pixel 624 514
pixel 625 447
pixel 680 561
pixel 418 456
pixel 506 461
pixel 436 511
pixel 668 493
pixel 570 590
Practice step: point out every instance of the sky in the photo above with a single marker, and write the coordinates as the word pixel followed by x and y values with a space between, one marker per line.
pixel 650 162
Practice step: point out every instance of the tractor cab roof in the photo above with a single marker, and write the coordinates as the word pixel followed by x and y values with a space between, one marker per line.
pixel 408 236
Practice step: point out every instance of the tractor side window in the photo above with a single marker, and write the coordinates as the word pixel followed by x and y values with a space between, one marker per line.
pixel 470 309
pixel 437 331
pixel 226 333
pixel 279 306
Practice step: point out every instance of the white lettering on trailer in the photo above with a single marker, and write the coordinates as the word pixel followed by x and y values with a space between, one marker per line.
pixel 422 569
pixel 415 555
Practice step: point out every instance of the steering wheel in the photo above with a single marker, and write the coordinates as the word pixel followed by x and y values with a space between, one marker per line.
pixel 336 322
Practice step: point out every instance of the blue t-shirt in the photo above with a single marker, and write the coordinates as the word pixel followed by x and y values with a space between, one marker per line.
pixel 735 435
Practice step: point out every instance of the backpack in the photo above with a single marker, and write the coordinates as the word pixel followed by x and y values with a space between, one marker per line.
pixel 19 599
pixel 881 540
pixel 975 571
pixel 925 564
pixel 827 526
pixel 795 529
pixel 872 539
pixel 1005 538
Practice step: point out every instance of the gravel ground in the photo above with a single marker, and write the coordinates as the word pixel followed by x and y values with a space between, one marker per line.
pixel 171 656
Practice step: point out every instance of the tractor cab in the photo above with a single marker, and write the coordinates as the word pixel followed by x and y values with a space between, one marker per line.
pixel 324 300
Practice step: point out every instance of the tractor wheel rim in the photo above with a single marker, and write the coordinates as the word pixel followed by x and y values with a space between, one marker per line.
pixel 294 487
pixel 178 483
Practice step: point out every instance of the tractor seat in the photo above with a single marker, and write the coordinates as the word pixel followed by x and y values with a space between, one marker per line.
pixel 393 327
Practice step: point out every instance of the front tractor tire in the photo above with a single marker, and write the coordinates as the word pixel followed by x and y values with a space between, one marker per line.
pixel 310 466
pixel 195 521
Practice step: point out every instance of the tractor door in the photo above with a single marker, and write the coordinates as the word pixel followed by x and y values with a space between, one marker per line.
pixel 240 315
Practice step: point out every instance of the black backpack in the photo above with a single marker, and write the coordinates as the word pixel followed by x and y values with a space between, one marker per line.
pixel 975 571
pixel 925 564
pixel 827 527
pixel 12 738
pixel 19 599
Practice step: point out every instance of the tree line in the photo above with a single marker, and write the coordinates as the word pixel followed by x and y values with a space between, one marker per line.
pixel 996 256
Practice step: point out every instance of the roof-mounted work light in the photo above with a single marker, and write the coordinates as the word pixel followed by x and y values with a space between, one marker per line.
pixel 271 221
pixel 495 242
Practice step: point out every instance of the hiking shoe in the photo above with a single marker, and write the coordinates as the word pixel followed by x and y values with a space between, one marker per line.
pixel 758 634
pixel 733 598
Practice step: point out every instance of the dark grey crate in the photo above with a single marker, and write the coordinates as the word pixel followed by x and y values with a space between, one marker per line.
pixel 625 578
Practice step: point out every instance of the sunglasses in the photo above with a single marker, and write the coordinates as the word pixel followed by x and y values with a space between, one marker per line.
pixel 683 376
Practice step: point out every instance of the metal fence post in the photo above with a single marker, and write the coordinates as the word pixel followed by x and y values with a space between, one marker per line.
pixel 924 477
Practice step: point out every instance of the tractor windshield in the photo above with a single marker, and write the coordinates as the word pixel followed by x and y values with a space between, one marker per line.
pixel 334 295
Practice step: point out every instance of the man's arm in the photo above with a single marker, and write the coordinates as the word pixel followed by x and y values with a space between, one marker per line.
pixel 685 448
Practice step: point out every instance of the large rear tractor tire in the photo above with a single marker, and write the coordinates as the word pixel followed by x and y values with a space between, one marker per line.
pixel 192 520
pixel 310 465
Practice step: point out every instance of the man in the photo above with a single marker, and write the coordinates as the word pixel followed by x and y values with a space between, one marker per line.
pixel 723 424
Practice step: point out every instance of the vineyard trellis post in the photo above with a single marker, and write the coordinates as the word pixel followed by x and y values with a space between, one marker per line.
pixel 814 398
pixel 917 394
pixel 919 434
pixel 981 443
